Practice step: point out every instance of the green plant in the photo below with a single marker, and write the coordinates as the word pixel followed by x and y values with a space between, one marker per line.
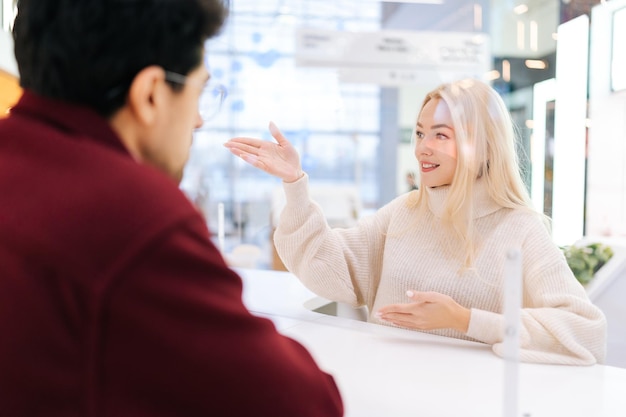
pixel 585 261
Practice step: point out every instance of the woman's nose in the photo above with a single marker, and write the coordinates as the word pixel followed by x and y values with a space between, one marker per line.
pixel 422 147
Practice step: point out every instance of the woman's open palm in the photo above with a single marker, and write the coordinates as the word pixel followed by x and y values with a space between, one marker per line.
pixel 279 159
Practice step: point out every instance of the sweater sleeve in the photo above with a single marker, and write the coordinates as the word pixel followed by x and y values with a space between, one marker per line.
pixel 559 323
pixel 179 338
pixel 338 264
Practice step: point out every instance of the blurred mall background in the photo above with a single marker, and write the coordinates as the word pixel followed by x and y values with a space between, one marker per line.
pixel 344 80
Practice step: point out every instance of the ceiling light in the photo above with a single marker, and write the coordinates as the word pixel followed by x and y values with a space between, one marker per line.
pixel 520 9
pixel 521 35
pixel 506 70
pixel 536 64
pixel 478 17
pixel 492 75
pixel 534 29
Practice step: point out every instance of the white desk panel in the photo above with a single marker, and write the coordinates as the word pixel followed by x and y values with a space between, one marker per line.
pixel 388 372
pixel 382 374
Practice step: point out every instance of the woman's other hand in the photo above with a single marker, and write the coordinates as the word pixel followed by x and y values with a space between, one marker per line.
pixel 279 159
pixel 427 311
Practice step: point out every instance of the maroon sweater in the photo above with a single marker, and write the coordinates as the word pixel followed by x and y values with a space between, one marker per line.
pixel 114 301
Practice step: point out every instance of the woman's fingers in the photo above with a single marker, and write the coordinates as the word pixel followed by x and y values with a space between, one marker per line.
pixel 241 150
pixel 243 143
pixel 278 135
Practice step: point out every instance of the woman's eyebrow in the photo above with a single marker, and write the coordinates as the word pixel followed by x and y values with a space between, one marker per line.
pixel 437 126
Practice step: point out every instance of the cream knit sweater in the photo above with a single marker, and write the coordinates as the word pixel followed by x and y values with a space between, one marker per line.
pixel 395 249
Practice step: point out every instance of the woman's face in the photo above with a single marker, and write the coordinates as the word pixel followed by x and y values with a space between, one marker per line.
pixel 435 147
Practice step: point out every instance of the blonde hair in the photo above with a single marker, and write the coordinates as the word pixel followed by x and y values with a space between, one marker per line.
pixel 485 140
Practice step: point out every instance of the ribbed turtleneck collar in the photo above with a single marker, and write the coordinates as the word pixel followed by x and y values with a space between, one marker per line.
pixel 483 203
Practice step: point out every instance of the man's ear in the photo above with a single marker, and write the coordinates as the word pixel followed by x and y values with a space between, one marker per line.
pixel 145 93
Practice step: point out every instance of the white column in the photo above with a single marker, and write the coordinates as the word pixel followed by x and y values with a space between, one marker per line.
pixel 570 131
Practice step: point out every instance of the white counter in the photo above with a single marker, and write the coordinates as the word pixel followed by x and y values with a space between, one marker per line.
pixel 388 372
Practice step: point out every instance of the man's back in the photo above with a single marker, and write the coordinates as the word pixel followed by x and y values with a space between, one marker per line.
pixel 113 301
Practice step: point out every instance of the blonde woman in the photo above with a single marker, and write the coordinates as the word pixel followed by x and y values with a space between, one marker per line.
pixel 433 260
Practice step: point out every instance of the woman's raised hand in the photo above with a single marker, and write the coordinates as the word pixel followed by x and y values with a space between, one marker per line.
pixel 279 159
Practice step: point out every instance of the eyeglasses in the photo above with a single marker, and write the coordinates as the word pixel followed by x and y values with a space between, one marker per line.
pixel 211 98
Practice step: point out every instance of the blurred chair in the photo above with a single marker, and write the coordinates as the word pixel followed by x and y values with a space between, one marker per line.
pixel 243 256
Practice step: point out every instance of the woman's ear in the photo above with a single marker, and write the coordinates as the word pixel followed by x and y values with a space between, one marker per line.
pixel 144 94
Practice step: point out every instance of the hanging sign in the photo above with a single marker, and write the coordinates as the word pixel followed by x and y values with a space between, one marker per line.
pixel 395 57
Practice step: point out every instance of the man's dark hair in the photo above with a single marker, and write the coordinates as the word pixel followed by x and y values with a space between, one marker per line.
pixel 88 51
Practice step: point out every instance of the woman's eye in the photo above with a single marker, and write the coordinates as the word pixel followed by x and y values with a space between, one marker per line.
pixel 441 136
pixel 419 135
